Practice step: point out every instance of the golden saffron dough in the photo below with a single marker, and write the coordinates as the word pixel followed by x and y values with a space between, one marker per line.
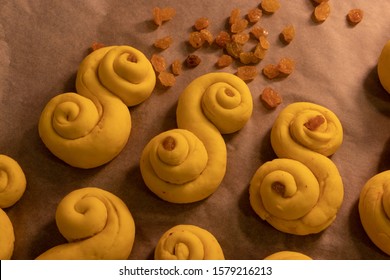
pixel 287 255
pixel 374 210
pixel 7 237
pixel 187 164
pixel 97 225
pixel 301 191
pixel 12 181
pixel 12 187
pixel 90 128
pixel 384 67
pixel 188 242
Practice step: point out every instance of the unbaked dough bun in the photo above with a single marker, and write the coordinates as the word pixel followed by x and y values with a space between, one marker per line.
pixel 7 237
pixel 188 242
pixel 12 181
pixel 97 225
pixel 91 128
pixel 384 67
pixel 287 255
pixel 187 164
pixel 374 210
pixel 301 191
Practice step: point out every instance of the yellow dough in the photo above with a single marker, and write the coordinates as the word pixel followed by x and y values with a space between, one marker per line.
pixel 91 128
pixel 374 210
pixel 97 225
pixel 12 181
pixel 287 255
pixel 384 67
pixel 193 168
pixel 302 191
pixel 188 242
pixel 7 237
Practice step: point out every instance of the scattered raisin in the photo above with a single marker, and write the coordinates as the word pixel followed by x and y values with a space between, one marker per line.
pixel 192 60
pixel 288 34
pixel 207 36
pixel 224 61
pixel 258 31
pixel 176 67
pixel 239 26
pixel 160 15
pixel 234 16
pixel 222 39
pixel 271 71
pixel 240 38
pixel 201 23
pixel 286 66
pixel 271 98
pixel 355 16
pixel 196 39
pixel 254 15
pixel 163 43
pixel 247 73
pixel 158 63
pixel 321 12
pixel 166 79
pixel 249 58
pixel 270 6
pixel 234 49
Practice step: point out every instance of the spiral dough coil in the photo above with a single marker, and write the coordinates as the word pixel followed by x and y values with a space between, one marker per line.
pixel 12 187
pixel 188 242
pixel 97 225
pixel 187 164
pixel 89 129
pixel 301 191
pixel 374 210
pixel 287 255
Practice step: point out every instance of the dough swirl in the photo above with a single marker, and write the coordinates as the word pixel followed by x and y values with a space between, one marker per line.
pixel 188 242
pixel 12 187
pixel 90 128
pixel 193 167
pixel 301 192
pixel 12 181
pixel 374 210
pixel 97 225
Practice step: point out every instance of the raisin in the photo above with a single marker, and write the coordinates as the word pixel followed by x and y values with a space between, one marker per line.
pixel 258 31
pixel 95 46
pixel 286 66
pixel 234 49
pixel 196 39
pixel 166 79
pixel 321 12
pixel 288 34
pixel 247 73
pixel 315 122
pixel 158 63
pixel 222 39
pixel 201 23
pixel 355 16
pixel 224 61
pixel 254 15
pixel 240 38
pixel 271 98
pixel 234 16
pixel 193 60
pixel 239 26
pixel 160 15
pixel 271 71
pixel 176 67
pixel 163 43
pixel 207 36
pixel 249 58
pixel 270 6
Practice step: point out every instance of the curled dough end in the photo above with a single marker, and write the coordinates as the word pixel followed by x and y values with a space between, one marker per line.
pixel 176 167
pixel 188 242
pixel 7 237
pixel 97 225
pixel 12 181
pixel 288 255
pixel 374 210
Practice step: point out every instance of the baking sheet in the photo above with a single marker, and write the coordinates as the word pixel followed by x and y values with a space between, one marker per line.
pixel 43 42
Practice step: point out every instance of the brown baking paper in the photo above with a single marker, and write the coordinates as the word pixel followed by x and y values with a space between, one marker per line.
pixel 43 42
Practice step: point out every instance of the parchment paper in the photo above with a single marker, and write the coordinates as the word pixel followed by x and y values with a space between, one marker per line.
pixel 43 42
